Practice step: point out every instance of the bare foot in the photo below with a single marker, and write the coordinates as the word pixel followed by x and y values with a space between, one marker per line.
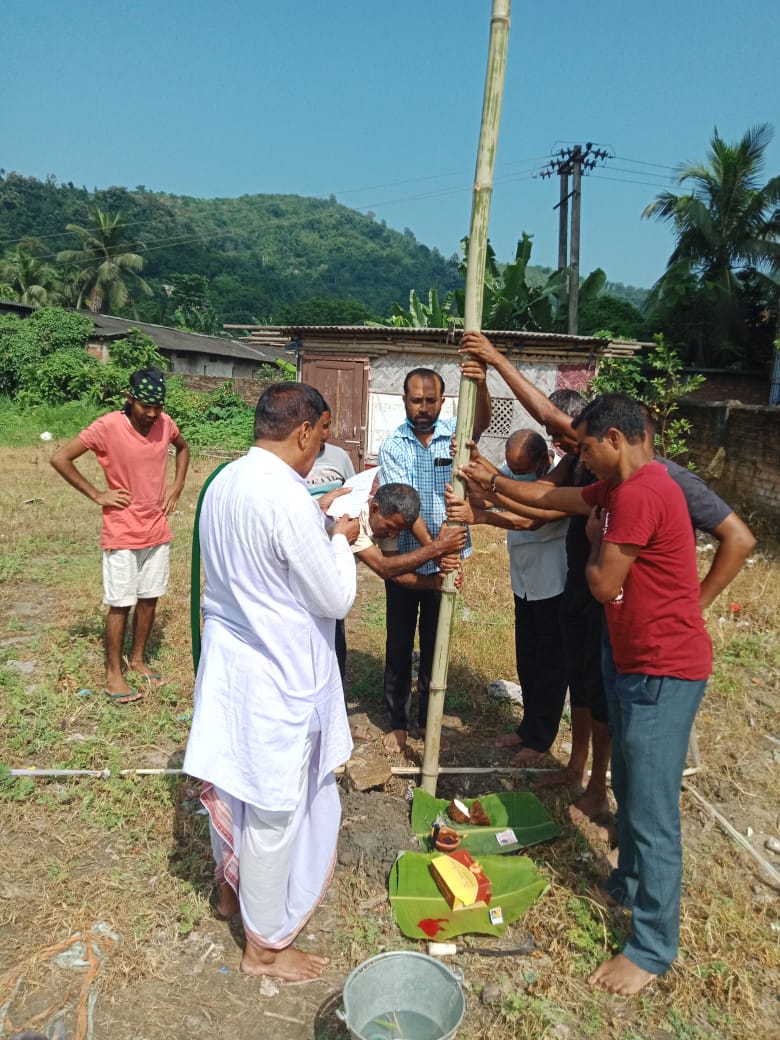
pixel 395 741
pixel 226 904
pixel 592 831
pixel 116 684
pixel 620 975
pixel 143 669
pixel 361 733
pixel 593 803
pixel 119 692
pixel 567 777
pixel 290 965
pixel 525 757
pixel 508 740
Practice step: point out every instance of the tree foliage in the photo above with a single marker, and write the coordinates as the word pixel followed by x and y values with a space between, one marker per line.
pixel 107 268
pixel 258 253
pixel 29 279
pixel 323 310
pixel 420 315
pixel 610 315
pixel 727 229
pixel 655 378
pixel 191 305
pixel 44 360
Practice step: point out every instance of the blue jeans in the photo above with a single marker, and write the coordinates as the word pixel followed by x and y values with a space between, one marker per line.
pixel 650 719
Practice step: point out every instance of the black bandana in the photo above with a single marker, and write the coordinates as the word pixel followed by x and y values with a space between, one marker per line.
pixel 148 386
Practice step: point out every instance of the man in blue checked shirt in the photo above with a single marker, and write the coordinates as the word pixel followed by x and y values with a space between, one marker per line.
pixel 418 453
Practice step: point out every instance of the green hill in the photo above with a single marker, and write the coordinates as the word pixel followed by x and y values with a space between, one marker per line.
pixel 260 253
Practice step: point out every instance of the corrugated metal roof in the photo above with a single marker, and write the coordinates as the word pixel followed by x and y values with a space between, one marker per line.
pixel 381 339
pixel 107 326
pixel 179 341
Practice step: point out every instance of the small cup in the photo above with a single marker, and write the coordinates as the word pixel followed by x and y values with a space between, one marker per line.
pixel 445 839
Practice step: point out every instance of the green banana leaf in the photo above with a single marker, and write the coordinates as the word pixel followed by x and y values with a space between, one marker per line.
pixel 519 811
pixel 422 912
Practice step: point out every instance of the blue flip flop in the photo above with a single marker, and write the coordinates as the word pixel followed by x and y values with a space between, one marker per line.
pixel 131 697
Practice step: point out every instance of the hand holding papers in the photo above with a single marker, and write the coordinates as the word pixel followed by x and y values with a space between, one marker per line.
pixel 360 488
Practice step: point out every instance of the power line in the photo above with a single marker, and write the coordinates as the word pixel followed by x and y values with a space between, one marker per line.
pixel 627 180
pixel 643 162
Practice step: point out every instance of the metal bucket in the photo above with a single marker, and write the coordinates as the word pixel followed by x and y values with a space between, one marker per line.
pixel 403 996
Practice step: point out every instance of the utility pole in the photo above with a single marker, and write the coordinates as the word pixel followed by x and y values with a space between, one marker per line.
pixel 563 233
pixel 571 162
pixel 574 254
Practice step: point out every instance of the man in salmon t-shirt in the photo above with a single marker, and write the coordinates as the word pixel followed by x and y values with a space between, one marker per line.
pixel 642 567
pixel 132 447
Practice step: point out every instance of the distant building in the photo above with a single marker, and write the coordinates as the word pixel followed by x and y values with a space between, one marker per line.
pixel 360 371
pixel 188 353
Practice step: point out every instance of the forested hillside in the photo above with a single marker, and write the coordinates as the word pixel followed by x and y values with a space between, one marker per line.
pixel 259 253
pixel 257 258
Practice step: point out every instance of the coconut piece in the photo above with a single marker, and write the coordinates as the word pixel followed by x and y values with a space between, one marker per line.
pixel 458 812
pixel 478 815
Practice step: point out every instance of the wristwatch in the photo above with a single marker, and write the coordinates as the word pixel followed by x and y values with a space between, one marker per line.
pixel 493 483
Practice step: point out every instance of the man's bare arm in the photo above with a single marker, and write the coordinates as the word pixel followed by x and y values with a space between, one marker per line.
pixel 567 501
pixel 420 532
pixel 390 565
pixel 535 402
pixel 735 543
pixel 173 493
pixel 63 460
pixel 465 512
pixel 608 563
pixel 476 370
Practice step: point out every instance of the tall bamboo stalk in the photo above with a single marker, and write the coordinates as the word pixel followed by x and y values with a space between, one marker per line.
pixel 467 394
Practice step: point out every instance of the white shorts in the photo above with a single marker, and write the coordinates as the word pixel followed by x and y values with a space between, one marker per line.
pixel 133 574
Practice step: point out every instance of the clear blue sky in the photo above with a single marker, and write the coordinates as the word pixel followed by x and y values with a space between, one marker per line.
pixel 379 103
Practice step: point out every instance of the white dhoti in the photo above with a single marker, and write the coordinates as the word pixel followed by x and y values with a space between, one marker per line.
pixel 269 724
pixel 278 863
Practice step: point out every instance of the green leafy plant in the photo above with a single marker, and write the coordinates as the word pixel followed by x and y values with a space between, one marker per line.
pixel 656 379
pixel 433 315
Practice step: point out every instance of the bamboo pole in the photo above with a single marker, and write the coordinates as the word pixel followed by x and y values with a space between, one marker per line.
pixel 467 394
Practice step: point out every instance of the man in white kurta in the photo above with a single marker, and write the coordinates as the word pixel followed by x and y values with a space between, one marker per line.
pixel 269 723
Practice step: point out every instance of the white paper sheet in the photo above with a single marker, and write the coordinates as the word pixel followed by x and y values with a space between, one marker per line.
pixel 359 492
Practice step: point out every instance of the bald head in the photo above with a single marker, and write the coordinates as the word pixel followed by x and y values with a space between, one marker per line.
pixel 526 452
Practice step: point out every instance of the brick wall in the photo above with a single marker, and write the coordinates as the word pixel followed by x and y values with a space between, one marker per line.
pixel 249 390
pixel 736 448
pixel 745 387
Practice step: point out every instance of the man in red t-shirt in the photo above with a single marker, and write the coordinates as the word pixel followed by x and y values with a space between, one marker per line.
pixel 132 447
pixel 642 567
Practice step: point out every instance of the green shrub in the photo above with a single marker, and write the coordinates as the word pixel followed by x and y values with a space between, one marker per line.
pixel 66 375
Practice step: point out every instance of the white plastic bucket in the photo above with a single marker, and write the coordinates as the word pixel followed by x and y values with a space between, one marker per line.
pixel 403 996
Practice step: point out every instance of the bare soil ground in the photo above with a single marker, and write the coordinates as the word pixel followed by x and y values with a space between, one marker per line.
pixel 105 890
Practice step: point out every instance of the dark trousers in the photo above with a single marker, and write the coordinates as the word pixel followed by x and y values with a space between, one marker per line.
pixel 582 621
pixel 403 607
pixel 540 669
pixel 341 647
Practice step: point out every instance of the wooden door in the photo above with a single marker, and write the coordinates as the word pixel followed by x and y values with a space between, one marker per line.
pixel 343 382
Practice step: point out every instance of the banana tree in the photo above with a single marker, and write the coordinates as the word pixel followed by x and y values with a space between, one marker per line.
pixel 433 315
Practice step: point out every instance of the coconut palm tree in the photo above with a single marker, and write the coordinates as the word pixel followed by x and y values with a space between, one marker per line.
pixel 727 228
pixel 30 279
pixel 107 268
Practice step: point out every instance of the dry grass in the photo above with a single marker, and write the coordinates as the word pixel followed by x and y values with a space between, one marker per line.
pixel 132 853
